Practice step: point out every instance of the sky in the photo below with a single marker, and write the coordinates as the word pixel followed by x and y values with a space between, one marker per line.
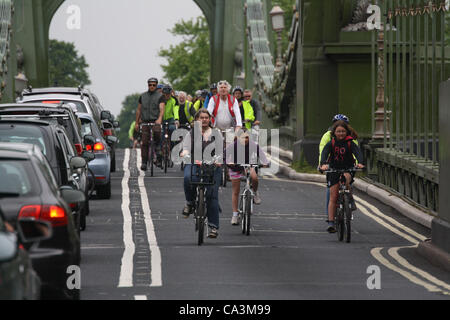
pixel 120 41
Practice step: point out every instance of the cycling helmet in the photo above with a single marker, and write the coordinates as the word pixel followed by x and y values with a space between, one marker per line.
pixel 204 93
pixel 238 88
pixel 167 89
pixel 213 86
pixel 152 80
pixel 341 117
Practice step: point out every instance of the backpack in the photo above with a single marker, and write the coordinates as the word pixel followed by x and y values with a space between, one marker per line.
pixel 216 107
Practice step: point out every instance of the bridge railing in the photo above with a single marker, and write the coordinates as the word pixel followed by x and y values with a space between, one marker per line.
pixel 6 9
pixel 409 63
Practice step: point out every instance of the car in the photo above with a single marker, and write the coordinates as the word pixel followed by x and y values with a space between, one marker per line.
pixel 53 141
pixel 19 281
pixel 100 166
pixel 62 114
pixel 85 101
pixel 30 191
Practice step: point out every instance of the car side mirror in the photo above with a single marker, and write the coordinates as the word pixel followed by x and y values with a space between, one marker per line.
pixel 31 230
pixel 72 196
pixel 111 139
pixel 77 163
pixel 105 115
pixel 88 156
pixel 9 243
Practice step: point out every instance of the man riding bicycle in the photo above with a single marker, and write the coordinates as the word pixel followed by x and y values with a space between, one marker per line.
pixel 150 110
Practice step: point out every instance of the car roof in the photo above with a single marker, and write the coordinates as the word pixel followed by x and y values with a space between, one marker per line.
pixel 17 150
pixel 25 121
pixel 52 96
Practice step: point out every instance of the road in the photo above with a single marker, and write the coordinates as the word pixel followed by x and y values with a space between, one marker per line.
pixel 137 245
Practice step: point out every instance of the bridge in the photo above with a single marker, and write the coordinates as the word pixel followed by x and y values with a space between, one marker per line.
pixel 391 81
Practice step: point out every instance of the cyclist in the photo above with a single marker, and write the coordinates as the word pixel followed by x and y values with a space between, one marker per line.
pixel 134 135
pixel 184 112
pixel 200 103
pixel 243 151
pixel 327 138
pixel 339 154
pixel 150 109
pixel 208 134
pixel 213 91
pixel 245 107
pixel 248 96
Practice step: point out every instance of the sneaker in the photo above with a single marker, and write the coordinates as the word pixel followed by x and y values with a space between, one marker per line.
pixel 257 198
pixel 235 220
pixel 331 227
pixel 213 233
pixel 187 210
pixel 144 167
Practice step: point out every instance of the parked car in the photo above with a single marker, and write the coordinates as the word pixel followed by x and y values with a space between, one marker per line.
pixel 31 191
pixel 18 279
pixel 85 101
pixel 65 116
pixel 52 139
pixel 100 166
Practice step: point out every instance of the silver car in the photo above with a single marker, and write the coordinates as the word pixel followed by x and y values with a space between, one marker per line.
pixel 100 167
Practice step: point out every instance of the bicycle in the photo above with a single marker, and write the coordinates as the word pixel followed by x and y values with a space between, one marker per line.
pixel 205 174
pixel 165 149
pixel 188 128
pixel 246 200
pixel 151 145
pixel 343 216
pixel 225 169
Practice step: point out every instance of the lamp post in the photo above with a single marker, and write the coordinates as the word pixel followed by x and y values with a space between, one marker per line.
pixel 277 16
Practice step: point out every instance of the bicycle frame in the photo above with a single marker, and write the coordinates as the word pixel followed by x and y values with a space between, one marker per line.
pixel 246 200
pixel 151 144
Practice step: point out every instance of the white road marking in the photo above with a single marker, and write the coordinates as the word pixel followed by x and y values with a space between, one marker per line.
pixel 126 269
pixel 155 253
pixel 140 297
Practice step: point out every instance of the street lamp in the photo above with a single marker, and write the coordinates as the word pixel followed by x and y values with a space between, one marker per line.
pixel 277 16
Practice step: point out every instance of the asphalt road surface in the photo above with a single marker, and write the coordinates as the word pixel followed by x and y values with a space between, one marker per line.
pixel 137 245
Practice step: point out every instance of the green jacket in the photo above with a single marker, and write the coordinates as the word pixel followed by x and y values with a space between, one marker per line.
pixel 168 111
pixel 248 115
pixel 131 131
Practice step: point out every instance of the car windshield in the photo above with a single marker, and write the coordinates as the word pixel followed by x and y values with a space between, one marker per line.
pixel 78 104
pixel 18 133
pixel 17 179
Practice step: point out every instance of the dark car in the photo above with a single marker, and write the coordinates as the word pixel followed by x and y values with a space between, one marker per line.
pixel 85 101
pixel 52 139
pixel 18 279
pixel 100 166
pixel 30 191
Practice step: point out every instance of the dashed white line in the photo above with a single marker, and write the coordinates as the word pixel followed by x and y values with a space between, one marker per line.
pixel 155 253
pixel 126 269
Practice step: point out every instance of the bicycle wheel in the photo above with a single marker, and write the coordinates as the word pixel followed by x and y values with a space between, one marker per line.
pixel 347 219
pixel 339 221
pixel 166 155
pixel 201 217
pixel 151 157
pixel 224 176
pixel 247 213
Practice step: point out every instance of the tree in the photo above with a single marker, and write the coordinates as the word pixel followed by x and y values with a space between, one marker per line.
pixel 66 67
pixel 188 67
pixel 126 117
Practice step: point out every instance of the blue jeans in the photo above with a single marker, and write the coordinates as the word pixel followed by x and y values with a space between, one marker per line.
pixel 212 193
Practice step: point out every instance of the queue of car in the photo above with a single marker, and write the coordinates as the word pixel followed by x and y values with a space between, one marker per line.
pixel 57 147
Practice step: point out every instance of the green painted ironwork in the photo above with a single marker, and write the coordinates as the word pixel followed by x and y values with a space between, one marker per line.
pixel 414 46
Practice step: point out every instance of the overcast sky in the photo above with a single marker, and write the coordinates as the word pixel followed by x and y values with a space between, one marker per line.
pixel 120 40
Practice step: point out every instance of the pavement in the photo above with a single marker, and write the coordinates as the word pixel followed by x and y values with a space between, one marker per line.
pixel 427 249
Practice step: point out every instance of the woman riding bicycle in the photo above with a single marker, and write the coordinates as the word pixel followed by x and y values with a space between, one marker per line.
pixel 338 154
pixel 204 138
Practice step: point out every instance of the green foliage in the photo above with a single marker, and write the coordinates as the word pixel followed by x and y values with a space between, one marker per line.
pixel 66 67
pixel 188 65
pixel 126 117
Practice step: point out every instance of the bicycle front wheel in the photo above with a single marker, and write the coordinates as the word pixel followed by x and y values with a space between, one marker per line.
pixel 247 214
pixel 339 222
pixel 347 219
pixel 200 219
